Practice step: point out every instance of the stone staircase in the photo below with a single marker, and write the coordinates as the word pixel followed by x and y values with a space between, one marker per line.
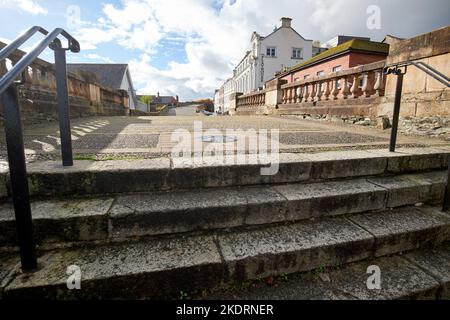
pixel 154 228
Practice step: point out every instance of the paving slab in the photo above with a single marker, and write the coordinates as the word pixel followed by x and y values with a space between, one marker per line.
pixel 148 269
pixel 435 262
pixel 56 220
pixel 404 229
pixel 400 280
pixel 332 165
pixel 261 253
pixel 264 205
pixel 332 198
pixel 9 262
pixel 418 275
pixel 318 138
pixel 415 159
pixel 412 189
pixel 97 177
pixel 232 170
pixel 302 286
pixel 164 213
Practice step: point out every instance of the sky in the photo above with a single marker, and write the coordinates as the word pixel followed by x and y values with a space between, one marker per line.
pixel 189 47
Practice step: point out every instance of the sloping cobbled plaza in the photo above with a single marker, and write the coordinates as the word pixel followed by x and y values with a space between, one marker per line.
pixel 113 138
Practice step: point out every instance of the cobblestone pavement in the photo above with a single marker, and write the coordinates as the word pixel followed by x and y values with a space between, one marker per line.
pixel 149 137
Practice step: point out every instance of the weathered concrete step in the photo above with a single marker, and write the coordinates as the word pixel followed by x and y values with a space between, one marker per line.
pixel 152 214
pixel 421 274
pixel 161 267
pixel 110 177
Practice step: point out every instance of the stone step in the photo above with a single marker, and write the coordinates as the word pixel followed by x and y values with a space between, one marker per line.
pixel 162 267
pixel 49 179
pixel 203 210
pixel 419 275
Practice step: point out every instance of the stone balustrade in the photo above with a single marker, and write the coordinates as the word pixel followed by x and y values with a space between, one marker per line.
pixel 41 76
pixel 252 100
pixel 363 81
pixel 356 84
pixel 38 94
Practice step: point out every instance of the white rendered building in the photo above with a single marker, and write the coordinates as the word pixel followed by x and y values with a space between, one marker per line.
pixel 283 48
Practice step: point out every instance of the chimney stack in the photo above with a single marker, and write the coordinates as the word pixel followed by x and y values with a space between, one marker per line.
pixel 286 22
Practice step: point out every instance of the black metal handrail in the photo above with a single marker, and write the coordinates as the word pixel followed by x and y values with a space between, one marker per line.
pixel 396 69
pixel 13 127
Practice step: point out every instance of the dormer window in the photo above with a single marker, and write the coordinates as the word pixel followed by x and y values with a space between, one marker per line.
pixel 271 52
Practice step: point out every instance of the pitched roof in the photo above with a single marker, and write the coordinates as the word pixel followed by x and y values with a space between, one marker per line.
pixel 108 75
pixel 357 45
pixel 279 28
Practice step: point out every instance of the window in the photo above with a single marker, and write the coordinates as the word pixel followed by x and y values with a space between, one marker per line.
pixel 320 73
pixel 337 68
pixel 306 77
pixel 271 52
pixel 297 53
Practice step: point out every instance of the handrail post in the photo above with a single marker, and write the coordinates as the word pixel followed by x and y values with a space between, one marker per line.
pixel 63 103
pixel 18 174
pixel 446 206
pixel 397 104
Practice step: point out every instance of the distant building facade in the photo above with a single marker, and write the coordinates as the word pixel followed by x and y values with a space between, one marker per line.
pixel 165 100
pixel 219 101
pixel 229 88
pixel 269 56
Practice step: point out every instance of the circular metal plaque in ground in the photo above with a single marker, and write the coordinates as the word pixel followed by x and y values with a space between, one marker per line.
pixel 218 139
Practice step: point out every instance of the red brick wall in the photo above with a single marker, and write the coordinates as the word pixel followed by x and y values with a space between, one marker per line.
pixel 327 67
pixel 357 59
pixel 346 61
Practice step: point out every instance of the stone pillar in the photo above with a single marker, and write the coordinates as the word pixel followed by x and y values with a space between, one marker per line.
pixel 274 95
pixel 233 103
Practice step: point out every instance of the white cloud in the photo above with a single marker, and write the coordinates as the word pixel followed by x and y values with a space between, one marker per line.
pixel 97 57
pixel 215 39
pixel 28 6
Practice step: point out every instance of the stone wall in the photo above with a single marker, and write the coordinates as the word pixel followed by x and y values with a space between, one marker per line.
pixel 425 106
pixel 37 97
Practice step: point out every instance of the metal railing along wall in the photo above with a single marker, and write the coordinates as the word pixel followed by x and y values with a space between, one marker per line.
pixel 400 69
pixel 13 127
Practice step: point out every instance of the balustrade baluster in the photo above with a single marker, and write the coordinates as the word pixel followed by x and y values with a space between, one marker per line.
pixel 336 89
pixel 355 87
pixel 367 88
pixel 345 89
pixel 327 90
pixel 313 91
pixel 379 84
pixel 294 95
pixel 306 92
pixel 319 91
